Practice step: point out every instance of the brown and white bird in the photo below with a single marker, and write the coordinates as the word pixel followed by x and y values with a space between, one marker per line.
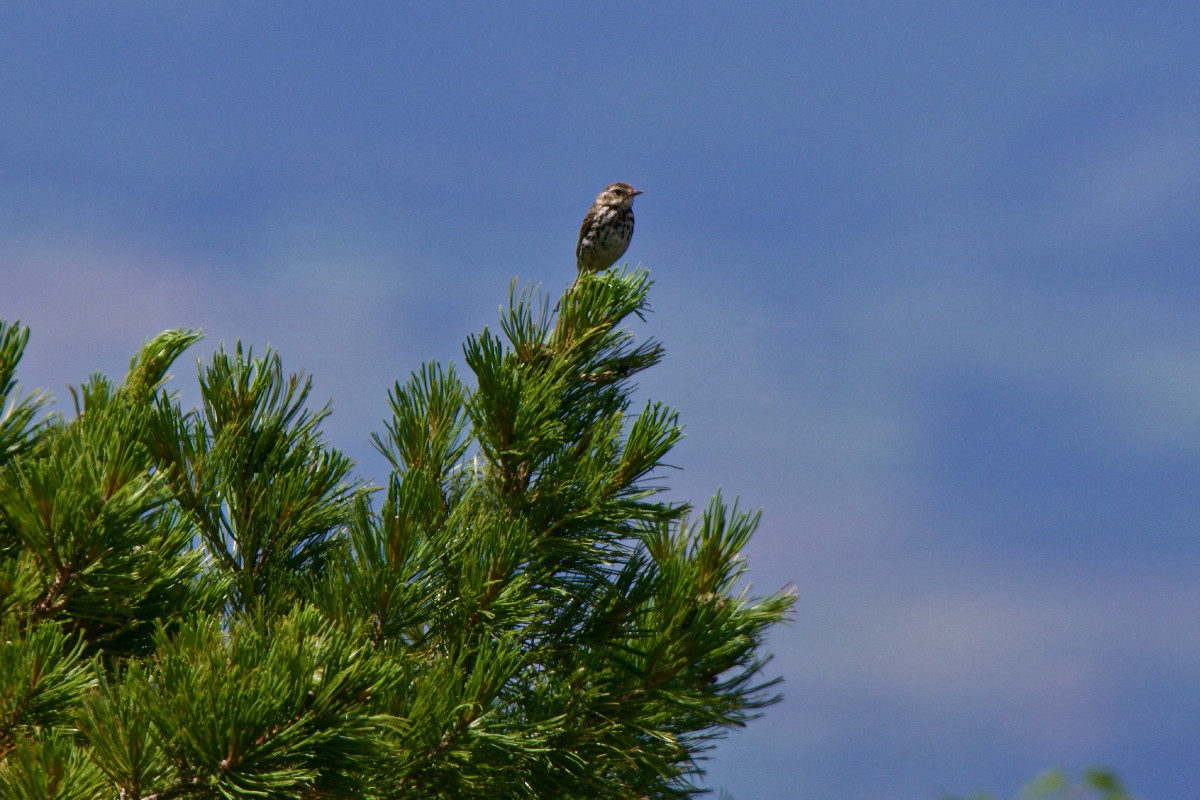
pixel 607 228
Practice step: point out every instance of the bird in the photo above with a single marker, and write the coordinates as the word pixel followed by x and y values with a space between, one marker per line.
pixel 607 228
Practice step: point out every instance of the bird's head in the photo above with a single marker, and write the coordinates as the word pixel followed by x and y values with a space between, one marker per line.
pixel 619 195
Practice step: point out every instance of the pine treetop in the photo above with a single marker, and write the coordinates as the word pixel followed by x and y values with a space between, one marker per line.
pixel 207 603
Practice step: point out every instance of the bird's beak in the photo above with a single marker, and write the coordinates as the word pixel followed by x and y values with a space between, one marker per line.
pixel 636 192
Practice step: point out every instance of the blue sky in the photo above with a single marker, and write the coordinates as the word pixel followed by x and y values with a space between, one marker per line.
pixel 926 275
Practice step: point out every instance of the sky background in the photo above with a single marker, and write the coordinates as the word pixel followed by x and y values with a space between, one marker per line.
pixel 926 274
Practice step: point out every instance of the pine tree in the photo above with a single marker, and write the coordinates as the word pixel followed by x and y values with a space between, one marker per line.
pixel 206 603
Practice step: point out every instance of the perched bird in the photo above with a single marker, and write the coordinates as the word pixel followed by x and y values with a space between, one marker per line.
pixel 606 229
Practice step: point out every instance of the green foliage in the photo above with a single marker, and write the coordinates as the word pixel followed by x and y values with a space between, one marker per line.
pixel 54 765
pixel 87 531
pixel 1097 783
pixel 42 675
pixel 205 603
pixel 252 476
pixel 18 426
